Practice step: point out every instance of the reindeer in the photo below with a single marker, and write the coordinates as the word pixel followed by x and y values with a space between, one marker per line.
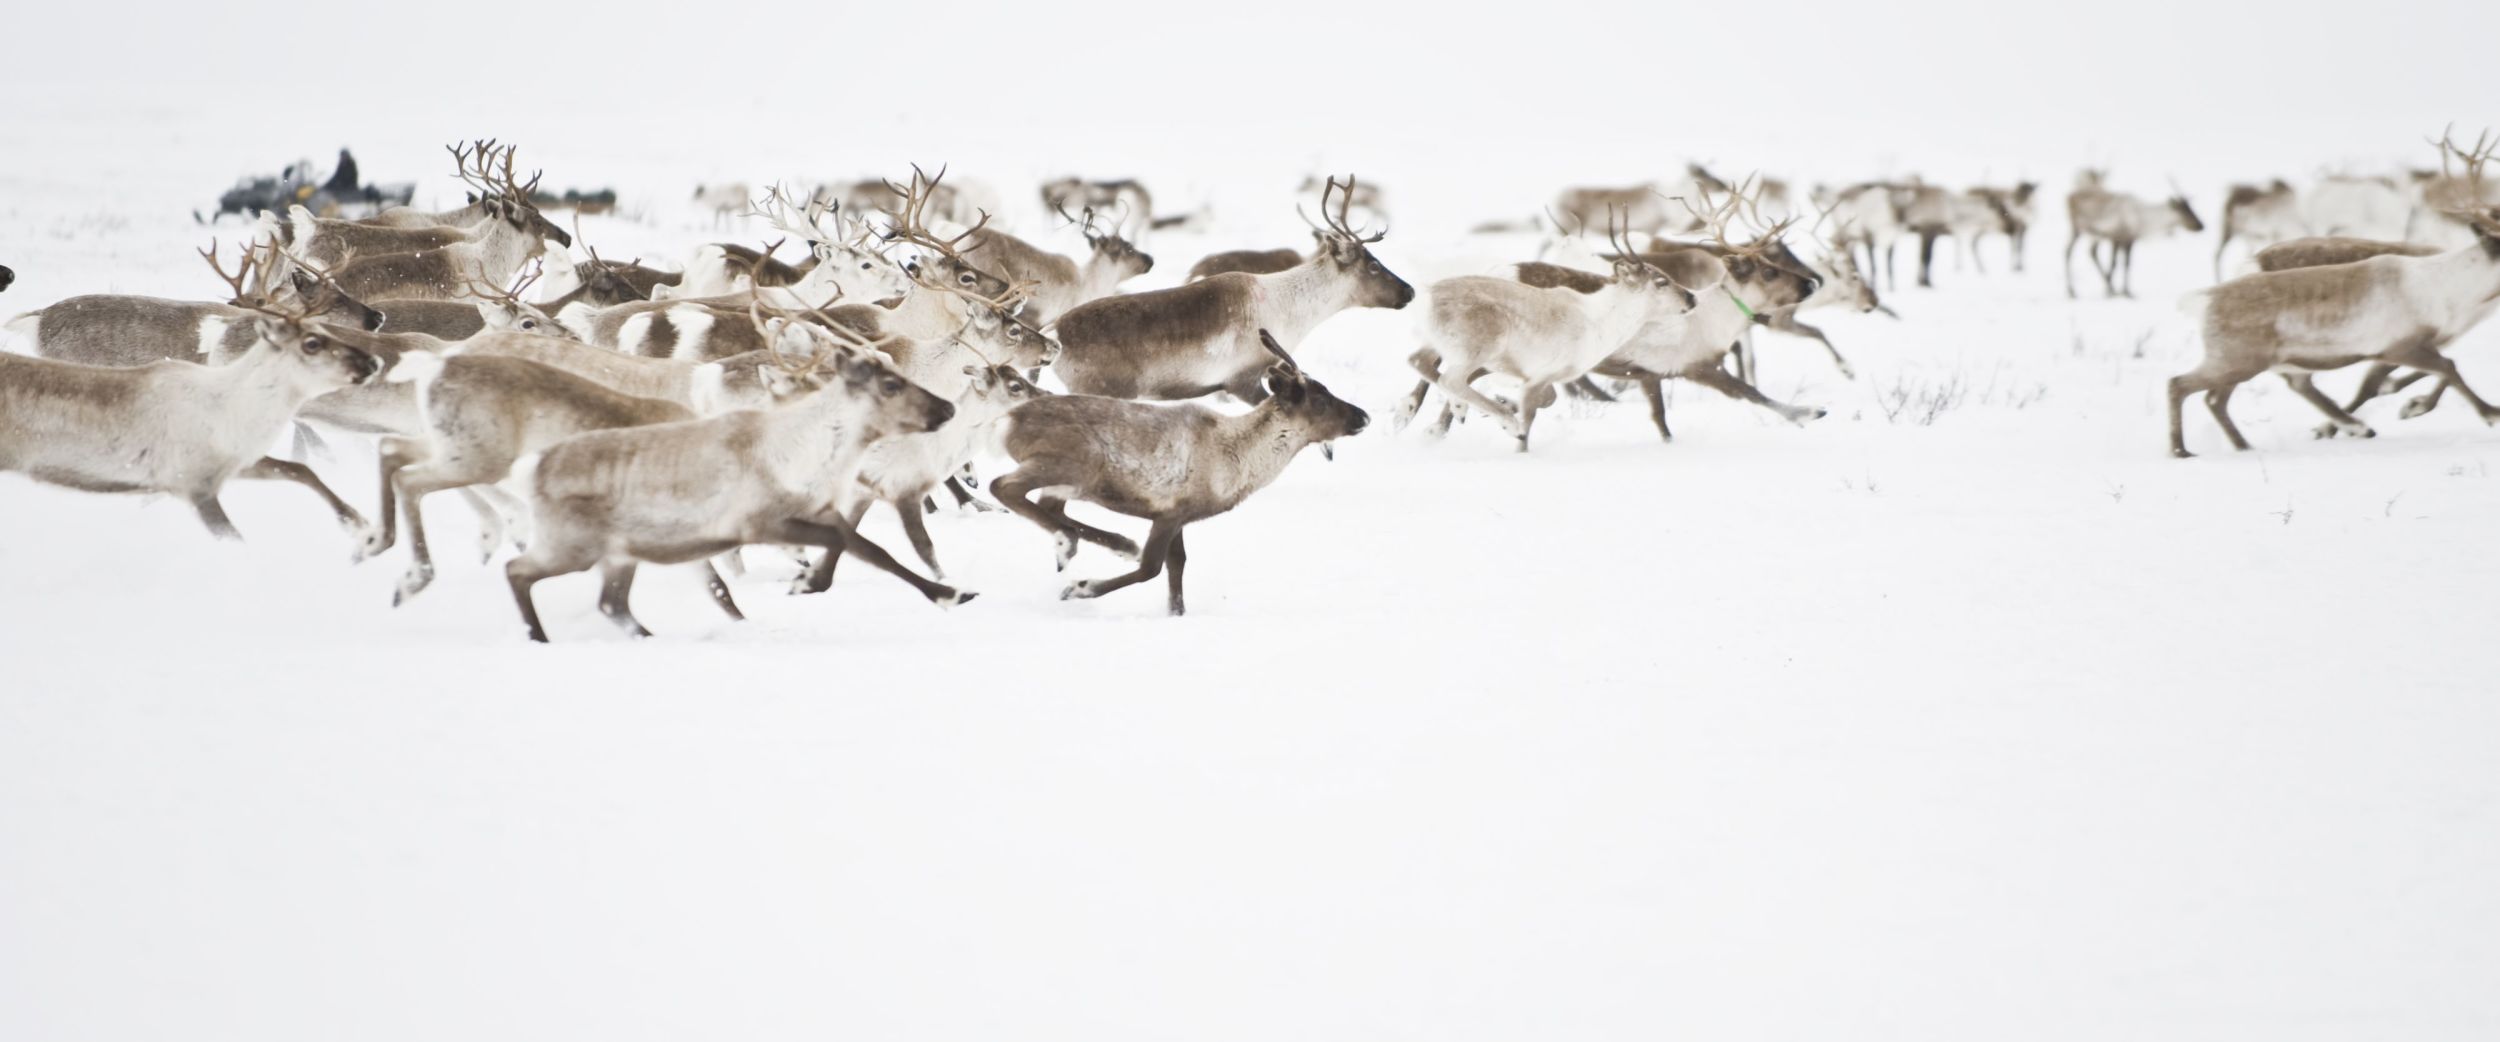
pixel 443 272
pixel 1058 282
pixel 478 414
pixel 1935 213
pixel 1868 215
pixel 1198 338
pixel 1542 336
pixel 175 427
pixel 2391 309
pixel 486 308
pixel 679 492
pixel 722 201
pixel 119 330
pixel 1251 262
pixel 902 471
pixel 504 227
pixel 2259 215
pixel 2119 221
pixel 2327 250
pixel 1169 465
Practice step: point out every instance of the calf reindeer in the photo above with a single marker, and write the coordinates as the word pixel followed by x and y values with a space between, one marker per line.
pixel 1202 337
pixel 1057 282
pixel 1477 325
pixel 2119 221
pixel 673 493
pixel 2260 216
pixel 175 427
pixel 1169 465
pixel 2391 309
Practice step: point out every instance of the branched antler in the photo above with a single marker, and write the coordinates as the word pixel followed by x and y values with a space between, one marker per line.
pixel 911 223
pixel 1338 222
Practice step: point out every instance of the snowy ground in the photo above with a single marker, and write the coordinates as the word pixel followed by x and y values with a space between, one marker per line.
pixel 1991 723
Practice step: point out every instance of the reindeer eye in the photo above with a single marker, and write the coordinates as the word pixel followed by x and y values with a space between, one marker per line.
pixel 966 278
pixel 529 323
pixel 893 386
pixel 314 346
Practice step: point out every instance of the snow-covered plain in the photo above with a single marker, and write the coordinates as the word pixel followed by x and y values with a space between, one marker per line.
pixel 1978 722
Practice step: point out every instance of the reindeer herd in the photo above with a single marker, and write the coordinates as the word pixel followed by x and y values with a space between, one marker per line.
pixel 597 413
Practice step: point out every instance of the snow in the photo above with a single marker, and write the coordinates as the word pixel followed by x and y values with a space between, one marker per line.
pixel 2000 725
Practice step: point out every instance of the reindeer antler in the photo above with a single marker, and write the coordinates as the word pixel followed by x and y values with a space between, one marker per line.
pixel 1339 222
pixel 911 224
pixel 2466 200
pixel 251 280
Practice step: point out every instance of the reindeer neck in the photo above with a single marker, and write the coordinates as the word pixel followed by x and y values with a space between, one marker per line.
pixel 1618 311
pixel 2463 282
pixel 1293 301
pixel 1254 448
pixel 806 440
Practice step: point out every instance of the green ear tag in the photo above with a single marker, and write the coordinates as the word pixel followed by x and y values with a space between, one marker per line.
pixel 1740 304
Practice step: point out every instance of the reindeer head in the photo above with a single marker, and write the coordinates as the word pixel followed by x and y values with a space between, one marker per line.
pixel 503 195
pixel 502 307
pixel 842 244
pixel 995 332
pixel 1110 249
pixel 999 388
pixel 941 262
pixel 1347 251
pixel 2465 204
pixel 311 292
pixel 2183 213
pixel 310 356
pixel 1843 281
pixel 1308 404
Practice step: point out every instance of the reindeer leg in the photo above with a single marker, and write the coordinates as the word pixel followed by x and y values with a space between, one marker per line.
pixel 394 453
pixel 616 583
pixel 1654 389
pixel 1926 258
pixel 1149 564
pixel 1586 389
pixel 819 577
pixel 1461 390
pixel 1427 362
pixel 916 529
pixel 2072 237
pixel 273 469
pixel 719 589
pixel 2218 248
pixel 490 520
pixel 2218 402
pixel 2424 354
pixel 837 536
pixel 2338 421
pixel 2373 380
pixel 1787 323
pixel 1719 380
pixel 213 514
pixel 1532 398
pixel 524 572
pixel 2128 254
pixel 1174 562
pixel 2425 403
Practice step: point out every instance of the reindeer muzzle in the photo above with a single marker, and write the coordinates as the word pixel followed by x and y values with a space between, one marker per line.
pixel 362 366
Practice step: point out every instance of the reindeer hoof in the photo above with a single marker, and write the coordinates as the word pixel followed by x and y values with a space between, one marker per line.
pixel 369 544
pixel 2182 454
pixel 2416 407
pixel 952 598
pixel 1080 590
pixel 418 578
pixel 486 545
pixel 1066 552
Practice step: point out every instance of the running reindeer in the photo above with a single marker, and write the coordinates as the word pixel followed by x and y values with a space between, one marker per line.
pixel 1172 466
pixel 2391 309
pixel 1202 337
pixel 176 427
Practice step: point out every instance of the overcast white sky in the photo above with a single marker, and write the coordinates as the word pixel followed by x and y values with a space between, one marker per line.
pixel 1550 91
